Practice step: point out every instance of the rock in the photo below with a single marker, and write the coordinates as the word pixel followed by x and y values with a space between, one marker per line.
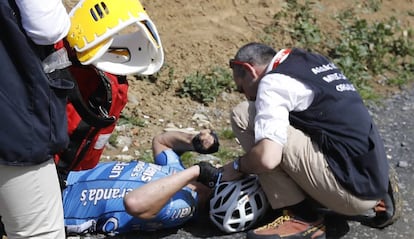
pixel 403 164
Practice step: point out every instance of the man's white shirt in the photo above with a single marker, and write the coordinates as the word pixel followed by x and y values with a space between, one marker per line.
pixel 277 95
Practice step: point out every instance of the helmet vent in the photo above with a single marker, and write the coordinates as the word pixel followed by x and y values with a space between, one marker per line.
pixel 97 12
pixel 235 214
pixel 219 217
pixel 259 201
pixel 228 195
pixel 217 204
pixel 248 208
pixel 234 225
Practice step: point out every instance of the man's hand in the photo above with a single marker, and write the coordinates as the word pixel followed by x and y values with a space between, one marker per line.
pixel 206 142
pixel 209 175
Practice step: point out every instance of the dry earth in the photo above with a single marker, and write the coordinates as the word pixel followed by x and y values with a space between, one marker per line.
pixel 199 34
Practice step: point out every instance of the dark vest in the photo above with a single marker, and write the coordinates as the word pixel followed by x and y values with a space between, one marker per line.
pixel 33 122
pixel 338 121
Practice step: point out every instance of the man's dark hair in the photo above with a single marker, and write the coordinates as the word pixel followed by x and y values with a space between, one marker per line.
pixel 198 146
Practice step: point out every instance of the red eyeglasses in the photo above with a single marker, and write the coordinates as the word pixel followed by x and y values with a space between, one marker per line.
pixel 233 62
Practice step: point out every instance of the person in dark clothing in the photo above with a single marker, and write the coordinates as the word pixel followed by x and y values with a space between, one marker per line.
pixel 33 124
pixel 308 135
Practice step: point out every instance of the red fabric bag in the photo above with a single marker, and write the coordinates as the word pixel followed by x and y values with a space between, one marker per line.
pixel 93 109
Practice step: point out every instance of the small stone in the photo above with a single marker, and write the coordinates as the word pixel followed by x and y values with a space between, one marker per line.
pixel 402 164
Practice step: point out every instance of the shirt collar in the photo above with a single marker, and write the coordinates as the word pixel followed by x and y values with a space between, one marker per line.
pixel 277 59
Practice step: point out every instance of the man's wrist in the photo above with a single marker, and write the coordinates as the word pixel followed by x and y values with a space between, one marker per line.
pixel 237 164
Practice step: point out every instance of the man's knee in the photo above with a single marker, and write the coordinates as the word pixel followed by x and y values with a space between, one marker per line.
pixel 241 115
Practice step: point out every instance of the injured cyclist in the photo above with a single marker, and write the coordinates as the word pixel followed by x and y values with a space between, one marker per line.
pixel 119 197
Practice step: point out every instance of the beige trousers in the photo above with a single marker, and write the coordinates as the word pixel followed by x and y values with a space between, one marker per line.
pixel 303 170
pixel 31 201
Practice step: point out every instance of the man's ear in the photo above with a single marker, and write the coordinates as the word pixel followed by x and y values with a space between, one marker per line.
pixel 251 70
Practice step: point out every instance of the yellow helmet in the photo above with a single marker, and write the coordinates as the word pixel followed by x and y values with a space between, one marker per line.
pixel 117 36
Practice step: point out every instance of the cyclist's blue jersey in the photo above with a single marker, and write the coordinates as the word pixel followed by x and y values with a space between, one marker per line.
pixel 93 199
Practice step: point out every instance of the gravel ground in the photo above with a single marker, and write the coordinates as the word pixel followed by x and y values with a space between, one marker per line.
pixel 394 119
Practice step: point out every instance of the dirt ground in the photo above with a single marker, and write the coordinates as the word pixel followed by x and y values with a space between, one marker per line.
pixel 199 34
